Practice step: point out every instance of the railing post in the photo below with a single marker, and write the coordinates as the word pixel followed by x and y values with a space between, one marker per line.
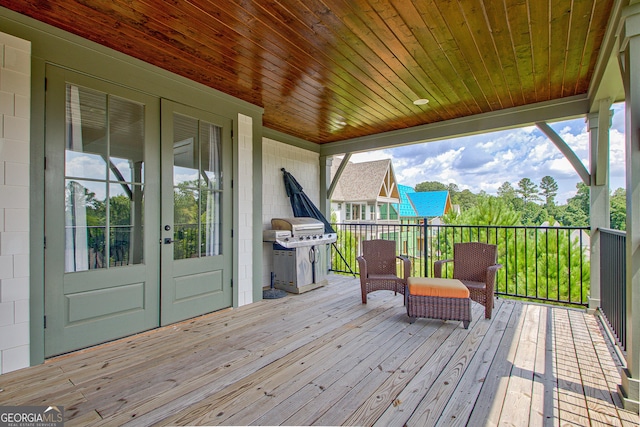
pixel 426 248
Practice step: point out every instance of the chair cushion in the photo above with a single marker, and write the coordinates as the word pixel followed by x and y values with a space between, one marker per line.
pixel 436 287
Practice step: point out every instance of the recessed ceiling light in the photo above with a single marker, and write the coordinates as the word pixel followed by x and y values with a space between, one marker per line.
pixel 421 101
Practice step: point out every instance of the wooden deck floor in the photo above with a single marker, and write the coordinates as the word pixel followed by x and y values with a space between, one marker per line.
pixel 323 358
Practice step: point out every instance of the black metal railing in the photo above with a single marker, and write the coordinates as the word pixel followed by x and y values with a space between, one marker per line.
pixel 613 297
pixel 542 263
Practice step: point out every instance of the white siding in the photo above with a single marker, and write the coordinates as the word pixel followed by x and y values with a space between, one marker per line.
pixel 15 92
pixel 304 165
pixel 245 214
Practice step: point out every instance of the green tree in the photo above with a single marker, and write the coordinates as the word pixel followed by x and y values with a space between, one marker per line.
pixel 527 190
pixel 454 193
pixel 488 210
pixel 508 193
pixel 549 190
pixel 430 186
pixel 453 188
pixel 576 213
pixel 533 214
pixel 465 199
pixel 618 213
pixel 120 210
pixel 186 208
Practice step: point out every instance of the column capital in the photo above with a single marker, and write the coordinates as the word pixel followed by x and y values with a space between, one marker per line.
pixel 629 24
pixel 328 160
pixel 593 119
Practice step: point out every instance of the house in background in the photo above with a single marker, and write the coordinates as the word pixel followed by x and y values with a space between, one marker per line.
pixel 417 206
pixel 405 208
pixel 366 192
pixel 430 205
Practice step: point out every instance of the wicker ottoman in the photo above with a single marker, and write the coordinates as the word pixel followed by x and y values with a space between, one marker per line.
pixel 434 298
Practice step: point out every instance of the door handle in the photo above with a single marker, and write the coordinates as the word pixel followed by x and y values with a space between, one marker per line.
pixel 168 240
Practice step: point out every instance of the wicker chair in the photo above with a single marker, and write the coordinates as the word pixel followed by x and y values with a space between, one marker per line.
pixel 474 264
pixel 378 268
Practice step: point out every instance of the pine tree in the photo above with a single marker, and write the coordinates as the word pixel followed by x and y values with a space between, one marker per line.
pixel 528 190
pixel 549 190
pixel 618 214
pixel 487 210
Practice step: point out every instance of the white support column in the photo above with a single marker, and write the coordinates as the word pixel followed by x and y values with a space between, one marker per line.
pixel 245 234
pixel 599 124
pixel 325 198
pixel 629 390
pixel 325 183
pixel 15 119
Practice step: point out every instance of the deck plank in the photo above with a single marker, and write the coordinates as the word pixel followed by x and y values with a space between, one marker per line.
pixel 371 386
pixel 520 385
pixel 572 405
pixel 317 396
pixel 489 404
pixel 544 409
pixel 413 393
pixel 437 397
pixel 323 357
pixel 301 369
pixel 387 394
pixel 458 411
pixel 230 375
pixel 600 405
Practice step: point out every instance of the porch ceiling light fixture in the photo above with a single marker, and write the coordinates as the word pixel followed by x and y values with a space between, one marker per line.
pixel 421 101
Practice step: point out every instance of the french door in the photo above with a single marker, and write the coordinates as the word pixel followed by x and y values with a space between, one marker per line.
pixel 136 202
pixel 196 208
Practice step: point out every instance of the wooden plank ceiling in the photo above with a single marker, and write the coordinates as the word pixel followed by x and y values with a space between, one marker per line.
pixel 330 70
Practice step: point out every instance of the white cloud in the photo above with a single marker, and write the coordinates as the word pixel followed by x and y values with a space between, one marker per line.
pixel 484 162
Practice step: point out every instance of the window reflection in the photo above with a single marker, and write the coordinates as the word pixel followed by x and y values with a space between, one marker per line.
pixel 197 179
pixel 85 225
pixel 104 170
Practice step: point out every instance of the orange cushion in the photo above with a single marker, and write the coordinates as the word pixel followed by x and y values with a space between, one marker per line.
pixel 436 287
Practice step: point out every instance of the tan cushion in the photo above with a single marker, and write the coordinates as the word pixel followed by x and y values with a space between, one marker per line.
pixel 436 287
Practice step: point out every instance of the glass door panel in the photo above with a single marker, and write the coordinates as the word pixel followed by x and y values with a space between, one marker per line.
pixel 197 177
pixel 104 172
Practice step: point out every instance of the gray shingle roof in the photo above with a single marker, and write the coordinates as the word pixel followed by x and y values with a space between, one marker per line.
pixel 361 181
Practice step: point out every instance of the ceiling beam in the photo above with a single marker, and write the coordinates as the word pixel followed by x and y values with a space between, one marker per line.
pixel 527 115
pixel 289 139
pixel 607 78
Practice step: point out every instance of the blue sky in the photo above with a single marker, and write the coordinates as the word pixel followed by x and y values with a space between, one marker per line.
pixel 486 161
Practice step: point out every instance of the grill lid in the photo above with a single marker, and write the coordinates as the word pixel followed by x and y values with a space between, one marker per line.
pixel 300 232
pixel 298 226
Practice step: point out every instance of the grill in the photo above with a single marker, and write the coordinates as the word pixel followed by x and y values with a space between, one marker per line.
pixel 300 253
pixel 298 232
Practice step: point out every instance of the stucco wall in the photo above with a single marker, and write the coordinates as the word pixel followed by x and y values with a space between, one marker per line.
pixel 15 105
pixel 304 166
